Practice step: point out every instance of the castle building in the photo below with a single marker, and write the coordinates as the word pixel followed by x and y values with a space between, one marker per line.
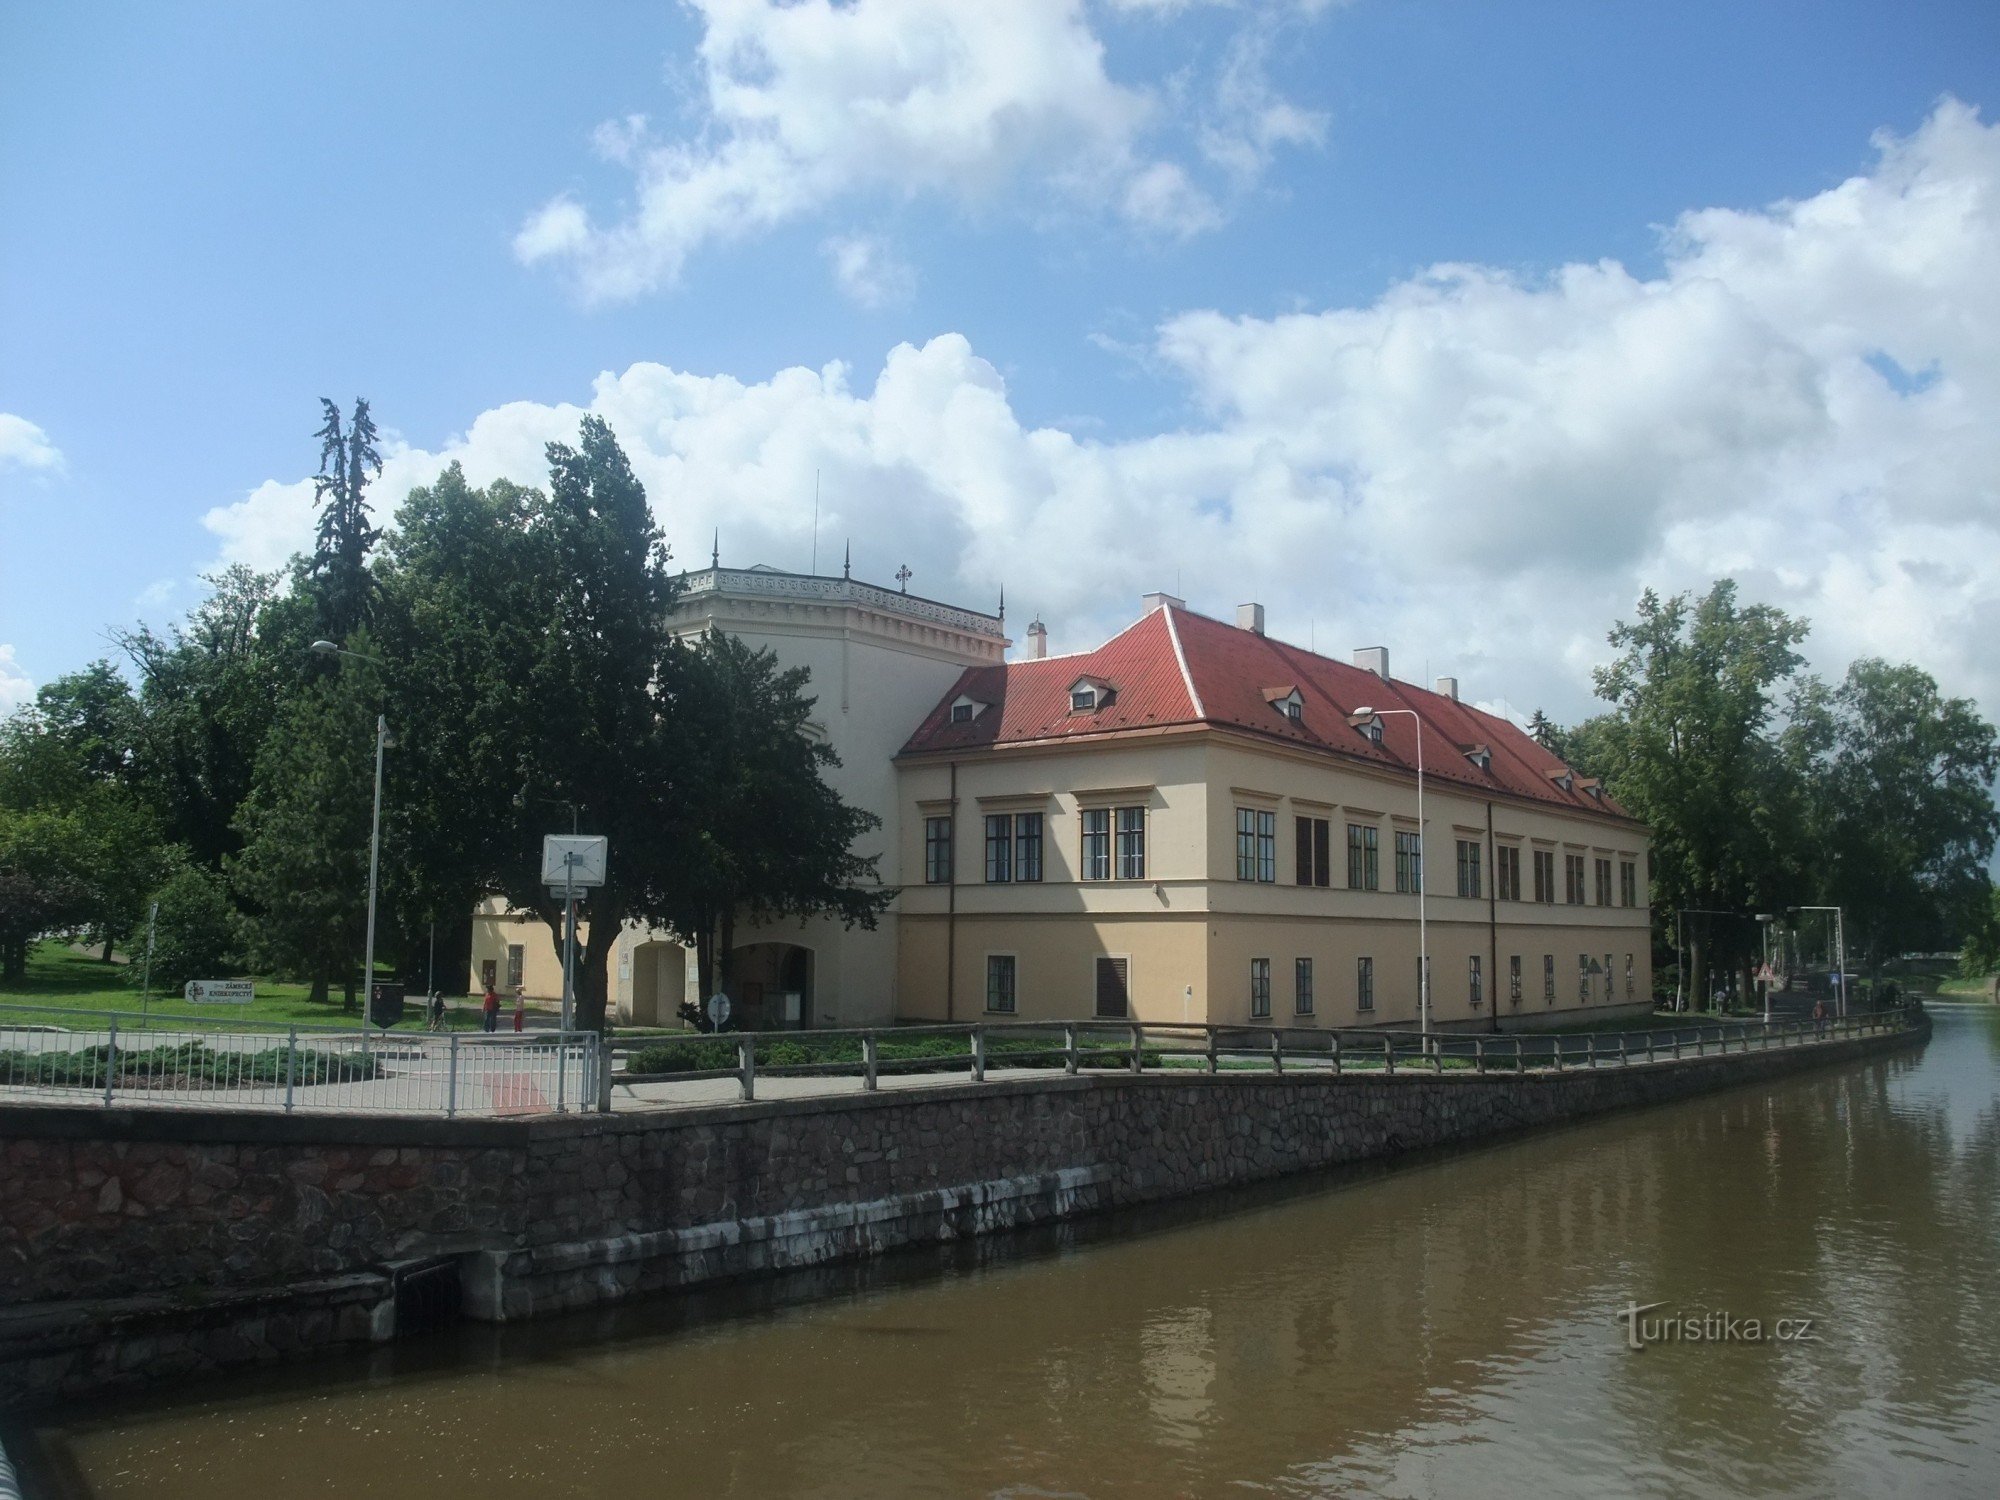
pixel 1193 821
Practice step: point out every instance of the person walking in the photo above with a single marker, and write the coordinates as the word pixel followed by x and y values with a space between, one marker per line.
pixel 520 1010
pixel 489 1010
pixel 1819 1018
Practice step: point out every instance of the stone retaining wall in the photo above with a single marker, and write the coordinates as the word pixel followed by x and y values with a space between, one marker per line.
pixel 187 1229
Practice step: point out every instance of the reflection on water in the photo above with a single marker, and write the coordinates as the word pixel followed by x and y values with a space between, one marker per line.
pixel 1447 1328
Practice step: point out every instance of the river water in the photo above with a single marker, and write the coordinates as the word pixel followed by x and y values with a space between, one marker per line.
pixel 1449 1327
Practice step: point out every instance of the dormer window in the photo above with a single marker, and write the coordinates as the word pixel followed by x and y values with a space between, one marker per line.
pixel 1563 778
pixel 1593 786
pixel 1287 701
pixel 1373 730
pixel 1480 756
pixel 1088 694
pixel 965 709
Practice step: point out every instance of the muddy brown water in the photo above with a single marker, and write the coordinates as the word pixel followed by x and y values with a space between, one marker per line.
pixel 1451 1326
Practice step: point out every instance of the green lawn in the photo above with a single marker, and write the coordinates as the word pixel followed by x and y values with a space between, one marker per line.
pixel 59 976
pixel 1964 989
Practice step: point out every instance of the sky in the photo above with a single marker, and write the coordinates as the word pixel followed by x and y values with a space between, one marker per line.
pixel 1447 327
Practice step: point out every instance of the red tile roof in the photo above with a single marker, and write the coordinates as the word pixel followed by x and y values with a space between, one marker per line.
pixel 1176 668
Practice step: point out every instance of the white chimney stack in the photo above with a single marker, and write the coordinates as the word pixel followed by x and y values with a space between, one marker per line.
pixel 1155 601
pixel 1038 640
pixel 1448 687
pixel 1250 617
pixel 1373 659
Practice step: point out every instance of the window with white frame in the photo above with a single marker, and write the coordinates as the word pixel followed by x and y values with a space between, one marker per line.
pixel 1545 876
pixel 937 851
pixel 1131 822
pixel 1302 986
pixel 1549 978
pixel 1573 887
pixel 1256 845
pixel 1610 979
pixel 999 848
pixel 1507 873
pixel 1260 987
pixel 1583 977
pixel 1000 983
pixel 1028 846
pixel 1475 982
pixel 1630 981
pixel 1097 843
pixel 1364 984
pixel 1514 978
pixel 1628 883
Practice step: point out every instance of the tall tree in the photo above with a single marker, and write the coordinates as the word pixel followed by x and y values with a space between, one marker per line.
pixel 1904 810
pixel 341 584
pixel 45 881
pixel 1694 691
pixel 302 871
pixel 206 693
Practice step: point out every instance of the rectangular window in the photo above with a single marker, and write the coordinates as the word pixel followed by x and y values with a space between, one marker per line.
pixel 1583 977
pixel 1628 883
pixel 1114 996
pixel 1409 862
pixel 999 848
pixel 1610 979
pixel 1246 843
pixel 1549 977
pixel 1131 843
pixel 1302 986
pixel 1468 867
pixel 1097 843
pixel 517 956
pixel 1573 879
pixel 1475 982
pixel 1603 873
pixel 1507 873
pixel 1514 978
pixel 1267 847
pixel 1000 982
pixel 1260 987
pixel 1364 984
pixel 1315 851
pixel 1545 876
pixel 937 851
pixel 1363 867
pixel 1628 977
pixel 1027 846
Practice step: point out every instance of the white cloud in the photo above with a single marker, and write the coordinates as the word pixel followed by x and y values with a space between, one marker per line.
pixel 868 271
pixel 16 687
pixel 25 445
pixel 1477 470
pixel 805 104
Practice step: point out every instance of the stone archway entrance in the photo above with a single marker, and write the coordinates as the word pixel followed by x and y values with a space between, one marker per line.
pixel 771 985
pixel 659 981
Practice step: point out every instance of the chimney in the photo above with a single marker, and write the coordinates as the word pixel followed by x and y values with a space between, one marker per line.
pixel 1373 659
pixel 1155 601
pixel 1448 688
pixel 1038 640
pixel 1250 617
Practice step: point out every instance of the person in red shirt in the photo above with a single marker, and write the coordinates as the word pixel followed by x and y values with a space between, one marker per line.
pixel 489 1010
pixel 520 1010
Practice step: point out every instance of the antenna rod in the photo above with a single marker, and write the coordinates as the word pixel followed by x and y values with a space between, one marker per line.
pixel 815 562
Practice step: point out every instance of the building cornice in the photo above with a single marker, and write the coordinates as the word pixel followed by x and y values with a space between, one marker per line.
pixel 697 588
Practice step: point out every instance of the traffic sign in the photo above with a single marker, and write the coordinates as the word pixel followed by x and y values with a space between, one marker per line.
pixel 220 991
pixel 718 1010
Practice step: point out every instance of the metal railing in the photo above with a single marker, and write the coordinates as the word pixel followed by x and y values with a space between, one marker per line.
pixel 1016 1048
pixel 125 1060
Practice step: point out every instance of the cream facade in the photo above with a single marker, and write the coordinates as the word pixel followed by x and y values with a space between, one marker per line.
pixel 1187 938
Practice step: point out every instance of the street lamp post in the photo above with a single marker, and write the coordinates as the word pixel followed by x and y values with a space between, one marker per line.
pixel 1360 718
pixel 328 648
pixel 1764 920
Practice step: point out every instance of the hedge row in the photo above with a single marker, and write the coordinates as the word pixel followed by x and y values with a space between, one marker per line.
pixel 183 1065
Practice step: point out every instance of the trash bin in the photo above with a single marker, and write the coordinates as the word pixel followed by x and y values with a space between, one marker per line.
pixel 385 1003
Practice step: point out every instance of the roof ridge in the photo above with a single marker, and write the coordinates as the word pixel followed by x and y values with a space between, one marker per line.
pixel 1180 656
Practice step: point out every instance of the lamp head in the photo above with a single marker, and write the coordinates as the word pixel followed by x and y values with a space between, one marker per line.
pixel 325 648
pixel 1361 716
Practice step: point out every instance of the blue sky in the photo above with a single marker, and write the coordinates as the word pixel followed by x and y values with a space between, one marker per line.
pixel 1448 326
